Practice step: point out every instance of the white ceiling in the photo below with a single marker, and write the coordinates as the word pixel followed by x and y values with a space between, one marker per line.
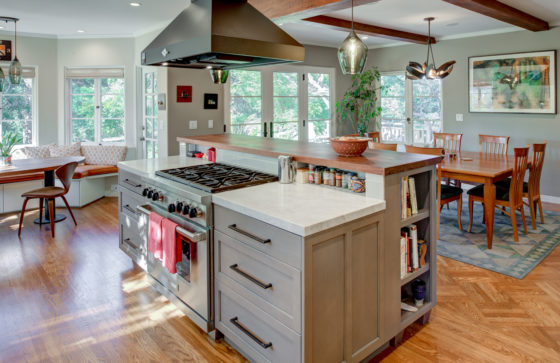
pixel 112 18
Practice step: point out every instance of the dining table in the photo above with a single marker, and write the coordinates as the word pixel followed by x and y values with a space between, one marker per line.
pixel 46 165
pixel 481 168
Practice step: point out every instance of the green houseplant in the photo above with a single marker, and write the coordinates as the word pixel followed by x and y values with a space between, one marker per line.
pixel 7 144
pixel 359 106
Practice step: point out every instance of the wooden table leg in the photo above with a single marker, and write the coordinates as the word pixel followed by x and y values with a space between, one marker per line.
pixel 489 205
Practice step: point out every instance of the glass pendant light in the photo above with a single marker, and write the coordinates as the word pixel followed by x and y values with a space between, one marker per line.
pixel 15 67
pixel 352 53
pixel 428 70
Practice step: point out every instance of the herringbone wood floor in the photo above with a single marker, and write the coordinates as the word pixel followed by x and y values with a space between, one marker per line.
pixel 78 298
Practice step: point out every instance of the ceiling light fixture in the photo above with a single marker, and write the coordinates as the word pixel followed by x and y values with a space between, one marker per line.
pixel 80 31
pixel 135 4
pixel 14 73
pixel 352 53
pixel 428 70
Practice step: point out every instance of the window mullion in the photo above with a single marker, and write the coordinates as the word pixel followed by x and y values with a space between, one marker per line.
pixel 97 88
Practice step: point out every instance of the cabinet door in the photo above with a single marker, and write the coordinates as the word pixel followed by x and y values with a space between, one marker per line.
pixel 342 292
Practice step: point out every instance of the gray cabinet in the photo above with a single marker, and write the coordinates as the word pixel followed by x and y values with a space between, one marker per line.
pixel 314 299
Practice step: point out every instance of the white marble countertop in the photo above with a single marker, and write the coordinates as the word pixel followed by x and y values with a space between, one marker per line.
pixel 303 209
pixel 148 167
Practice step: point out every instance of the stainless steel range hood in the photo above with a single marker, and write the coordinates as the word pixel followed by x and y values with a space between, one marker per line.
pixel 222 34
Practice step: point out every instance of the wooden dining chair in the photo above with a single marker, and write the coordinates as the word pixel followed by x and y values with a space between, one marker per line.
pixel 451 143
pixel 383 146
pixel 490 144
pixel 532 188
pixel 64 174
pixel 446 193
pixel 511 197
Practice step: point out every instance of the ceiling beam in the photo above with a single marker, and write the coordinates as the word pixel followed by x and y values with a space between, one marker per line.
pixel 377 31
pixel 293 10
pixel 503 12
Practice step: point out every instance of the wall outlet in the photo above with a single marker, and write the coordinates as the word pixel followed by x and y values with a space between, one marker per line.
pixel 459 117
pixel 193 124
pixel 210 124
pixel 114 187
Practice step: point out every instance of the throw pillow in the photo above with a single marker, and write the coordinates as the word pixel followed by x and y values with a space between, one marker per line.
pixel 103 154
pixel 38 152
pixel 65 150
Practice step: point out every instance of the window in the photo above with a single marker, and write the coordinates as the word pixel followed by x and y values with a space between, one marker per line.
pixel 411 110
pixel 289 102
pixel 150 124
pixel 17 104
pixel 96 108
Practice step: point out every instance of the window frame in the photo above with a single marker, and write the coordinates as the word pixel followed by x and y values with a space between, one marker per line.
pixel 34 106
pixel 98 96
pixel 409 102
pixel 267 97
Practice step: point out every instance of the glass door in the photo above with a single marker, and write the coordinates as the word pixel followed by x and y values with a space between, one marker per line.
pixel 246 103
pixel 285 122
pixel 150 113
pixel 318 107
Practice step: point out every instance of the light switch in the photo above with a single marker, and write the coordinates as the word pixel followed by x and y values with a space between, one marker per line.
pixel 210 124
pixel 193 124
pixel 459 117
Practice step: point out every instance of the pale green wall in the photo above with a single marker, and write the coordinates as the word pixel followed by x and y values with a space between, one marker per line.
pixel 523 128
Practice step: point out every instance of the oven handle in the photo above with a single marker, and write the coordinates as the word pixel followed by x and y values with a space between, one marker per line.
pixel 192 236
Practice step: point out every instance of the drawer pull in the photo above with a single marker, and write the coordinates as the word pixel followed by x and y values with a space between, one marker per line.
pixel 258 340
pixel 127 181
pixel 258 282
pixel 233 227
pixel 129 242
pixel 131 210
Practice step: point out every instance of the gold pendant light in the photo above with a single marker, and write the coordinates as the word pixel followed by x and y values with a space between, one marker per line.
pixel 429 70
pixel 352 53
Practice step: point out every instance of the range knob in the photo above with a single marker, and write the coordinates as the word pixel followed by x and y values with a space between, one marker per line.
pixel 155 196
pixel 171 208
pixel 186 209
pixel 145 192
pixel 193 213
pixel 150 193
pixel 179 207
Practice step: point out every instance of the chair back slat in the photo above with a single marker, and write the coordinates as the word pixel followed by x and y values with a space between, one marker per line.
pixel 383 146
pixel 536 169
pixel 65 174
pixel 375 136
pixel 490 144
pixel 518 176
pixel 451 143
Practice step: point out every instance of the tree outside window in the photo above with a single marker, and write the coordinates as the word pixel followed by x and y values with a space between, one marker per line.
pixel 16 115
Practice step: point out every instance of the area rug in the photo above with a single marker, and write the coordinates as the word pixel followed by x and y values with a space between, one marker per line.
pixel 515 259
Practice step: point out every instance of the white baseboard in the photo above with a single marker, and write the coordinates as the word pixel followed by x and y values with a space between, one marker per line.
pixel 550 199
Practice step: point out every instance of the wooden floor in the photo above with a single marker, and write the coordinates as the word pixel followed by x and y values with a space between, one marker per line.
pixel 79 298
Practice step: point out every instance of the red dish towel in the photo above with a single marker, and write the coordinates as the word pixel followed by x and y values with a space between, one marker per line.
pixel 155 245
pixel 172 249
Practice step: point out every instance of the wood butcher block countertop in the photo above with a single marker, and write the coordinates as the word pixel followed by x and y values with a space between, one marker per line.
pixel 379 162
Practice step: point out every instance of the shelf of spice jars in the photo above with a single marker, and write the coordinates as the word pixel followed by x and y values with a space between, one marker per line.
pixel 342 180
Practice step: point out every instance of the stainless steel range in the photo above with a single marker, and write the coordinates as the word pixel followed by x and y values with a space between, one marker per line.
pixel 184 196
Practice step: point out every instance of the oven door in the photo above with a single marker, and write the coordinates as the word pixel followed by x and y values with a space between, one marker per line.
pixel 191 283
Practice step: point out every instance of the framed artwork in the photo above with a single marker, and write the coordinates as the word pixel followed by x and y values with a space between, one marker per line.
pixel 5 50
pixel 184 93
pixel 210 101
pixel 513 83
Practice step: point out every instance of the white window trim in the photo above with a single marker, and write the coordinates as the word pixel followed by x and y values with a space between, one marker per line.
pixel 96 73
pixel 408 96
pixel 268 99
pixel 34 103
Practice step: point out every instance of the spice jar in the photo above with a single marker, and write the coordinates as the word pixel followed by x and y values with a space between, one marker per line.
pixel 311 174
pixel 326 176
pixel 338 177
pixel 332 177
pixel 358 184
pixel 318 175
pixel 345 180
pixel 302 176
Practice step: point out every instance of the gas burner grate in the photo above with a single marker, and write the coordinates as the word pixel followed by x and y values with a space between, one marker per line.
pixel 216 177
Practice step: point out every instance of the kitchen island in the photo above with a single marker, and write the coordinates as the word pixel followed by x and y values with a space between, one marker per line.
pixel 310 273
pixel 286 272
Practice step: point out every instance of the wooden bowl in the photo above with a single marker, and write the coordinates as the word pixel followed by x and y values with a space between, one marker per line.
pixel 349 145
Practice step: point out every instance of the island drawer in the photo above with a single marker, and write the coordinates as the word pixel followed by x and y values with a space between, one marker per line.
pixel 131 181
pixel 271 240
pixel 277 284
pixel 128 201
pixel 132 242
pixel 255 333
